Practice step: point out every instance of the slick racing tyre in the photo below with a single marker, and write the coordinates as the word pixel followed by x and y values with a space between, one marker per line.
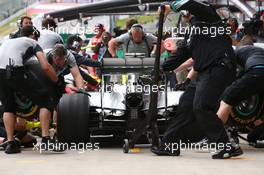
pixel 73 118
pixel 248 111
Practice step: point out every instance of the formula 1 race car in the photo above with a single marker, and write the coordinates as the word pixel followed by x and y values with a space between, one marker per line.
pixel 119 106
pixel 122 102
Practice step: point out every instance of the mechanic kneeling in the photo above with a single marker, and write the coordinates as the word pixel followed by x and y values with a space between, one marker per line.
pixel 251 58
pixel 14 77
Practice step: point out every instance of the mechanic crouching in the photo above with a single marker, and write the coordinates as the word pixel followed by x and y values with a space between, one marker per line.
pixel 14 78
pixel 250 83
pixel 64 63
pixel 214 61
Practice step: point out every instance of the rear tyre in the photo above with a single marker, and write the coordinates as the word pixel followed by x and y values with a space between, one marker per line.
pixel 73 119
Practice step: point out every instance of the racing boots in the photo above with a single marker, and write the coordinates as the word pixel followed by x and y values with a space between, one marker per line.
pixel 12 147
pixel 166 149
pixel 48 144
pixel 227 153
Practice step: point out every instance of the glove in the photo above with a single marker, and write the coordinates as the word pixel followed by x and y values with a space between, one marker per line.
pixel 183 86
pixel 83 91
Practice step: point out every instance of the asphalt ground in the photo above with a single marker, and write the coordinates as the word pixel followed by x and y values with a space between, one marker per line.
pixel 112 161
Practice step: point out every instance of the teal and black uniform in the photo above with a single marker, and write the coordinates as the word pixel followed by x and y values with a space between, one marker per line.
pixel 251 58
pixel 214 60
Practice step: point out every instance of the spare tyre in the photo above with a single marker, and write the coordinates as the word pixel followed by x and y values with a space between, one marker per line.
pixel 73 118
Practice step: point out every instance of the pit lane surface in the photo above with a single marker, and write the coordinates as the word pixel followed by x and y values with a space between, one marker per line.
pixel 108 161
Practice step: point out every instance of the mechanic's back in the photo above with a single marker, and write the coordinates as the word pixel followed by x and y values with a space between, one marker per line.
pixel 48 37
pixel 250 56
pixel 18 50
